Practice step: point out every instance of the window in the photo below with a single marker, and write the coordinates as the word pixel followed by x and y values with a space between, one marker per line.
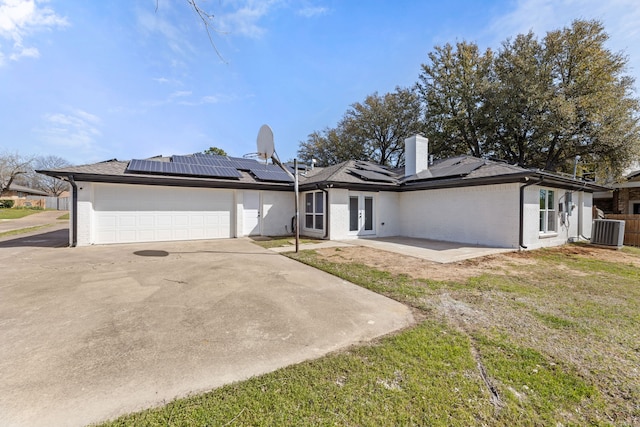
pixel 547 211
pixel 314 211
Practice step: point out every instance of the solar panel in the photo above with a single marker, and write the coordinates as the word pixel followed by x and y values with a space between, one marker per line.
pixel 175 168
pixel 145 166
pixel 462 167
pixel 373 168
pixel 178 168
pixel 183 159
pixel 270 174
pixel 200 170
pixel 455 167
pixel 244 164
pixel 226 172
pixel 373 176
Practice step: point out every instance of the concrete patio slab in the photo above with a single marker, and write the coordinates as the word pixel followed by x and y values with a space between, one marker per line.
pixel 432 250
pixel 92 333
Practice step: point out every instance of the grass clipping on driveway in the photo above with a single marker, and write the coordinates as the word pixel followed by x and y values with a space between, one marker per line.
pixel 549 337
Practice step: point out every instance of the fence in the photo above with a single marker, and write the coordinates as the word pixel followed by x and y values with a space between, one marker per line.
pixel 58 203
pixel 631 228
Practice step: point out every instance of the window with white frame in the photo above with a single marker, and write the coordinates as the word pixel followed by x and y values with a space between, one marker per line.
pixel 314 211
pixel 547 211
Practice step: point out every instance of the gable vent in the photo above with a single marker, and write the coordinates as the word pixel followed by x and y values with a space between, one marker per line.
pixel 608 232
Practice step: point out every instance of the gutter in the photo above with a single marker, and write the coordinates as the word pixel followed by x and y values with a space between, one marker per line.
pixel 74 212
pixel 522 187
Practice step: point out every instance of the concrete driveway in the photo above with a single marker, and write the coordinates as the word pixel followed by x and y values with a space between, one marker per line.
pixel 91 333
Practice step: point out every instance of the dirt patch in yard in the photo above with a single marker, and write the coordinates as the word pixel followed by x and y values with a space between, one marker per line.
pixel 418 268
pixel 505 263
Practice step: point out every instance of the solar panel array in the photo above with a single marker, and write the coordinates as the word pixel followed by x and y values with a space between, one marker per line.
pixel 172 168
pixel 271 174
pixel 213 166
pixel 371 172
pixel 373 168
pixel 373 176
pixel 453 167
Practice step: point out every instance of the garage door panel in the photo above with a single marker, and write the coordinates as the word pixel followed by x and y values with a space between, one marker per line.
pixel 127 220
pixel 146 220
pixel 163 220
pixel 180 220
pixel 136 213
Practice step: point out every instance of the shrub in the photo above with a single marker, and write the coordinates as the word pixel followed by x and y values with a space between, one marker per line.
pixel 6 204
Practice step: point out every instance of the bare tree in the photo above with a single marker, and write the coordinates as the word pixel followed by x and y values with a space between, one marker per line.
pixel 11 167
pixel 51 185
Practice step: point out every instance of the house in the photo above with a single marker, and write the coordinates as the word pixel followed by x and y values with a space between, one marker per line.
pixel 462 199
pixel 625 198
pixel 16 191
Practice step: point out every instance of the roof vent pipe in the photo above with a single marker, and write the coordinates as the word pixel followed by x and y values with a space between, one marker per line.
pixel 416 155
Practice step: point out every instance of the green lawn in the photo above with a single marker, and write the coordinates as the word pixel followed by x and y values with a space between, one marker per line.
pixel 280 241
pixel 17 213
pixel 548 339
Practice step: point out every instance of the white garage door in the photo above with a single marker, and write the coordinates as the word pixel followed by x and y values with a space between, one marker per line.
pixel 143 213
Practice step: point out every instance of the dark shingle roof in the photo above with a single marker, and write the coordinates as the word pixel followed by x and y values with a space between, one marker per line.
pixel 116 171
pixel 28 190
pixel 452 172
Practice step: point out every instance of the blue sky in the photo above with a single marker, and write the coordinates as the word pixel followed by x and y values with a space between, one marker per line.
pixel 95 80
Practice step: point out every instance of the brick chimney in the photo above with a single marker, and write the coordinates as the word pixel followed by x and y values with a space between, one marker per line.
pixel 416 155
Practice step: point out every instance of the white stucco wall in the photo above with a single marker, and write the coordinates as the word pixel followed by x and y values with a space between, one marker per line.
pixel 483 215
pixel 85 213
pixel 387 216
pixel 339 215
pixel 567 225
pixel 277 211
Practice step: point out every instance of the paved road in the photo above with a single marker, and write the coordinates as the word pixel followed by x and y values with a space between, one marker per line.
pixel 91 333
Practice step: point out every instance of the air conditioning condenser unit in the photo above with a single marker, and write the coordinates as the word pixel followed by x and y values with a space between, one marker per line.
pixel 608 232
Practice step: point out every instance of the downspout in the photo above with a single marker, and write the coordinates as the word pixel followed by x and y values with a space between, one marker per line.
pixel 74 215
pixel 326 210
pixel 522 187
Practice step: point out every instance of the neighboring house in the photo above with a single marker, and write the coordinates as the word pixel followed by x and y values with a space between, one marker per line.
pixel 625 198
pixel 463 199
pixel 16 191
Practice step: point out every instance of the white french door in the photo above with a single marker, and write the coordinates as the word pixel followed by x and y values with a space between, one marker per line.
pixel 361 214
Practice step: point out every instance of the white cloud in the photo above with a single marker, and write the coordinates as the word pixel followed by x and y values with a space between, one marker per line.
pixel 19 20
pixel 187 98
pixel 311 11
pixel 74 129
pixel 180 94
pixel 162 22
pixel 208 99
pixel 246 16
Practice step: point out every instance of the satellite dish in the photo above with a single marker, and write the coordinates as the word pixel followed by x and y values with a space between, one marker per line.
pixel 265 142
